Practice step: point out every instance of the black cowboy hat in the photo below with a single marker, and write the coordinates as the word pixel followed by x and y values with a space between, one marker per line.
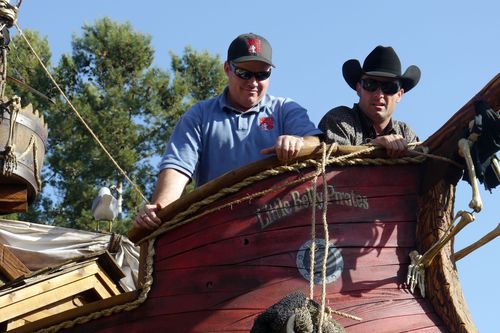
pixel 382 62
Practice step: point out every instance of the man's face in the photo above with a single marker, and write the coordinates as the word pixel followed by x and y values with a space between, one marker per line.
pixel 244 94
pixel 378 105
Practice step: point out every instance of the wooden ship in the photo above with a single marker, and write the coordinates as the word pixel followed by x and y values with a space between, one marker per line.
pixel 365 238
pixel 236 246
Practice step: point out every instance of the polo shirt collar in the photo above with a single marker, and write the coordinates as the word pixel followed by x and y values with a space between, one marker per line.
pixel 224 103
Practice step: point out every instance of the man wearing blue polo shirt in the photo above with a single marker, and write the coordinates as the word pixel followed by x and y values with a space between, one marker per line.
pixel 238 127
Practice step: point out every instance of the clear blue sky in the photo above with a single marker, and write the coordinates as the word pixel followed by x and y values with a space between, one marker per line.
pixel 455 44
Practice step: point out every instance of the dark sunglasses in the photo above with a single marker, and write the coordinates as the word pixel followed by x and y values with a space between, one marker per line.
pixel 247 75
pixel 387 87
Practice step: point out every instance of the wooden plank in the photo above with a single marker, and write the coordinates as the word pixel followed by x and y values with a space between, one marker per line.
pixel 139 322
pixel 391 309
pixel 49 296
pixel 81 311
pixel 249 279
pixel 25 292
pixel 421 323
pixel 391 314
pixel 99 288
pixel 240 320
pixel 10 192
pixel 431 329
pixel 109 265
pixel 153 316
pixel 50 310
pixel 261 298
pixel 353 258
pixel 376 234
pixel 13 197
pixel 112 287
pixel 248 248
pixel 10 266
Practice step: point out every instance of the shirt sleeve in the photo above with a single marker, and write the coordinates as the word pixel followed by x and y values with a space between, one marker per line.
pixel 185 145
pixel 296 120
pixel 406 132
pixel 337 126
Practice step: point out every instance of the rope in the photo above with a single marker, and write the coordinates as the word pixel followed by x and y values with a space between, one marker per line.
pixel 312 251
pixel 327 239
pixel 437 157
pixel 80 118
pixel 343 314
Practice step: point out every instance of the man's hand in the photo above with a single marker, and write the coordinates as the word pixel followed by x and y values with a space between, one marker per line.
pixel 147 219
pixel 287 147
pixel 395 144
pixel 168 188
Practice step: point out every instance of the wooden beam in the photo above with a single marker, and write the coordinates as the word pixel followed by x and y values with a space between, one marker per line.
pixel 53 309
pixel 77 312
pixel 13 198
pixel 10 266
pixel 112 287
pixel 52 295
pixel 20 294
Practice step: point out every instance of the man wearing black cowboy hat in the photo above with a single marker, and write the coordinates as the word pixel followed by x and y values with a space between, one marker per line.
pixel 380 86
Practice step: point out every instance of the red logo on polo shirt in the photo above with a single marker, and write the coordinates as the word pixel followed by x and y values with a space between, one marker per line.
pixel 266 123
pixel 254 46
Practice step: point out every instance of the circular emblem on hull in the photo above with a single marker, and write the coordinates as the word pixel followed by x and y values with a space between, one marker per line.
pixel 334 264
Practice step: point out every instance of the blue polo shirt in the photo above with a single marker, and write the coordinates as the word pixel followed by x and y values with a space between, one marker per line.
pixel 212 138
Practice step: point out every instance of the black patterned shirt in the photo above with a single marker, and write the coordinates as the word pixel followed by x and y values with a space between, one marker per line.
pixel 350 126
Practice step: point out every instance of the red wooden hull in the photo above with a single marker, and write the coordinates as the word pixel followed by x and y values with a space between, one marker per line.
pixel 218 272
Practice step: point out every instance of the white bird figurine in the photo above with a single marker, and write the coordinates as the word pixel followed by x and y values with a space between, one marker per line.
pixel 105 206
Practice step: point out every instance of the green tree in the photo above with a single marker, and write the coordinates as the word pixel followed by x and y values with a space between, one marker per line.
pixel 129 104
pixel 22 65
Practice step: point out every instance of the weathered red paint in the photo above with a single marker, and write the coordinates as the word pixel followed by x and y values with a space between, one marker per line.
pixel 217 273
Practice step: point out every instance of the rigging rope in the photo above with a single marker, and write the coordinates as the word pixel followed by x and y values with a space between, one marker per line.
pixel 80 118
pixel 327 238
